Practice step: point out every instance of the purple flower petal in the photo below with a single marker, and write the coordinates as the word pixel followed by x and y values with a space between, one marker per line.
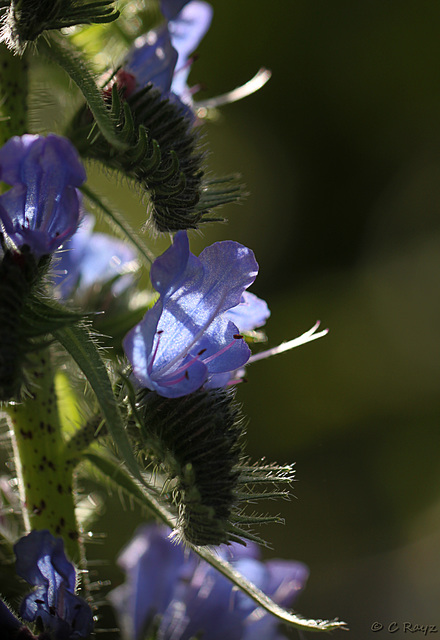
pixel 283 581
pixel 89 258
pixel 41 561
pixel 187 30
pixel 161 56
pixel 153 59
pixel 192 597
pixel 149 555
pixel 42 207
pixel 251 313
pixel 186 336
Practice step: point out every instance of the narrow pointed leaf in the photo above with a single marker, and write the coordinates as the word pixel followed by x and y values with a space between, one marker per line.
pixel 78 342
pixel 112 470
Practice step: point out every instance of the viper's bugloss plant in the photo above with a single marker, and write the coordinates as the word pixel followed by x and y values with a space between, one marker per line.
pixel 149 99
pixel 107 378
pixel 196 442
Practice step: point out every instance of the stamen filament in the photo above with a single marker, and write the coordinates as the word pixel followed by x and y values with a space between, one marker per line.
pixel 185 366
pixel 247 89
pixel 218 353
pixel 308 336
pixel 150 366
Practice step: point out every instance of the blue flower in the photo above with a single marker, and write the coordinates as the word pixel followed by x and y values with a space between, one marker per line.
pixel 91 258
pixel 41 561
pixel 42 207
pixel 187 30
pixel 192 597
pixel 187 337
pixel 161 56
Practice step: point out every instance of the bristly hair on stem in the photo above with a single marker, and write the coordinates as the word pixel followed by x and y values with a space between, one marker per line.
pixel 196 442
pixel 163 155
pixel 24 20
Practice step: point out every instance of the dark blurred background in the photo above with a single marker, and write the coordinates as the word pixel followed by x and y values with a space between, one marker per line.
pixel 340 154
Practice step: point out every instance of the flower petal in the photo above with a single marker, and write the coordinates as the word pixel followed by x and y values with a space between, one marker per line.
pixel 152 59
pixel 185 337
pixel 41 560
pixel 149 555
pixel 170 8
pixel 42 207
pixel 187 30
pixel 251 313
pixel 89 258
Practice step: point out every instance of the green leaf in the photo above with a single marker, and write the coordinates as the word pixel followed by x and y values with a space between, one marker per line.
pixel 42 317
pixel 78 341
pixel 111 470
pixel 293 619
pixel 62 52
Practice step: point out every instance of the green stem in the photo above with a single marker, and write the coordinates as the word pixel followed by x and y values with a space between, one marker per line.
pixel 13 94
pixel 61 51
pixel 43 463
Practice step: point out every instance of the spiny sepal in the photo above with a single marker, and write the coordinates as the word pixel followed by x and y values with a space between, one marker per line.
pixel 19 275
pixel 27 317
pixel 43 316
pixel 163 155
pixel 196 442
pixel 24 20
pixel 111 471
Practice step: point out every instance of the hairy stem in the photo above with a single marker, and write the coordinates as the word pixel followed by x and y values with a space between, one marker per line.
pixel 44 466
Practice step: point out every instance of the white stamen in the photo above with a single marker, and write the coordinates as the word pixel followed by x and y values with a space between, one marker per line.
pixel 247 89
pixel 308 336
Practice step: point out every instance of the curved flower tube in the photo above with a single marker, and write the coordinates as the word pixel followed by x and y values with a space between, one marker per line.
pixel 191 597
pixel 41 561
pixel 42 207
pixel 187 336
